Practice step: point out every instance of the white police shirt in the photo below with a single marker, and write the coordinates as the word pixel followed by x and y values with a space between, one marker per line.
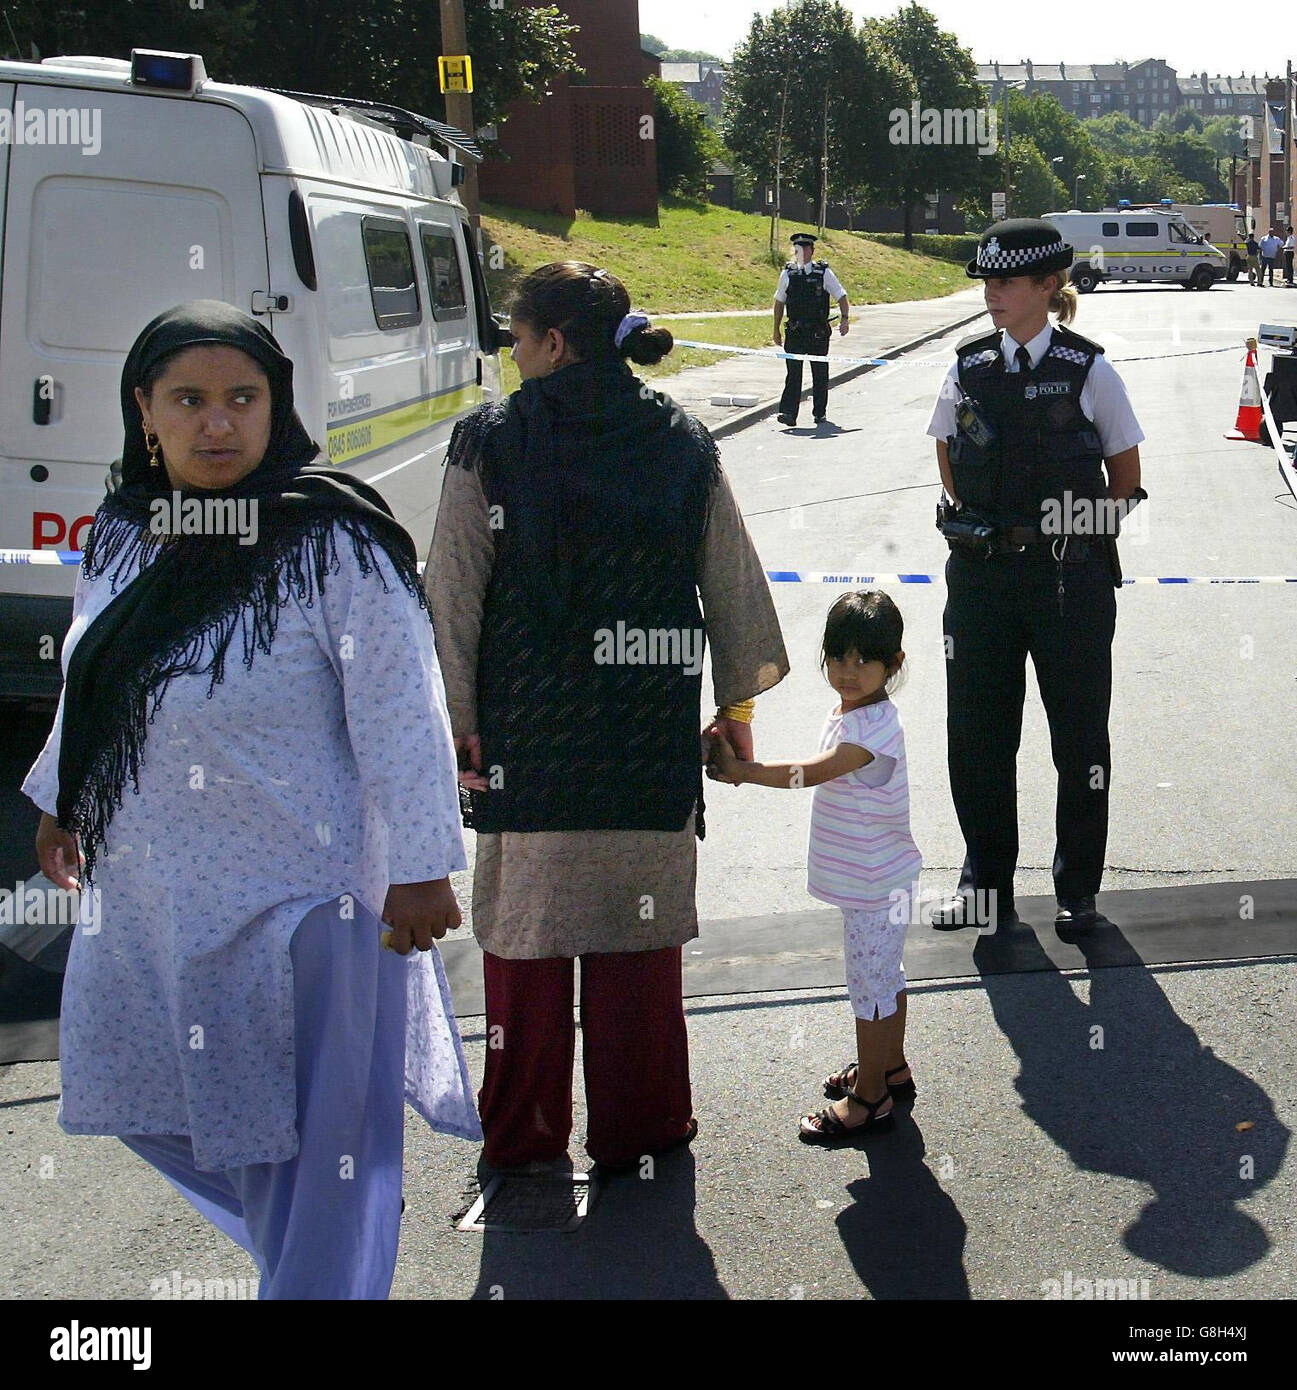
pixel 831 283
pixel 1103 397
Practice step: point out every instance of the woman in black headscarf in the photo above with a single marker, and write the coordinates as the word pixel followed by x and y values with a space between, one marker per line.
pixel 251 764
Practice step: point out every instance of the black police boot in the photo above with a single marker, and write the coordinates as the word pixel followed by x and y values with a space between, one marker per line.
pixel 786 419
pixel 971 909
pixel 1075 913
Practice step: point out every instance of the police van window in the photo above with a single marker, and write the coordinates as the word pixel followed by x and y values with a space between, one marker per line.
pixel 1142 229
pixel 448 298
pixel 1179 232
pixel 391 273
pixel 1110 229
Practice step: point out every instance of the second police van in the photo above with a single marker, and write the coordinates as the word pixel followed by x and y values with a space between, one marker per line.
pixel 129 187
pixel 1144 245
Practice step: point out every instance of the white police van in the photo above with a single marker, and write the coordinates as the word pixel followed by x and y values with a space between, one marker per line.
pixel 128 187
pixel 1143 245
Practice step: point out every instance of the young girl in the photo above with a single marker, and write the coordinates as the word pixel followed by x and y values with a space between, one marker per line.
pixel 862 857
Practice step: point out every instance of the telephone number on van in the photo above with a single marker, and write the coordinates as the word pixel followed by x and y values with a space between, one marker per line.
pixel 349 441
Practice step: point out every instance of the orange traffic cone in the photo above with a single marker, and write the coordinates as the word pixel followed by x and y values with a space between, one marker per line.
pixel 1248 425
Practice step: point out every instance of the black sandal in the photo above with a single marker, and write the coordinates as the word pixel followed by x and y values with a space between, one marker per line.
pixel 831 1130
pixel 903 1090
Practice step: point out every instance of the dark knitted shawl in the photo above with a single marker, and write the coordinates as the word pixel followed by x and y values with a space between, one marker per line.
pixel 599 489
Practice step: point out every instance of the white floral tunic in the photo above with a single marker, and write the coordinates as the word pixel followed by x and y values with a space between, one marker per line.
pixel 324 770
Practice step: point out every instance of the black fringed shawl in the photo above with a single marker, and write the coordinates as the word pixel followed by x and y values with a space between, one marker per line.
pixel 193 593
pixel 600 490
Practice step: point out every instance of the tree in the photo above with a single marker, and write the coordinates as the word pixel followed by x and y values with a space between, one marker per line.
pixel 379 50
pixel 1191 158
pixel 945 78
pixel 1147 179
pixel 1035 188
pixel 111 28
pixel 1180 122
pixel 1117 134
pixel 1056 133
pixel 838 82
pixel 686 147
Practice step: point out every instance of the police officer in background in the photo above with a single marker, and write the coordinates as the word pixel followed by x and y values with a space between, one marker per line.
pixel 1027 422
pixel 806 289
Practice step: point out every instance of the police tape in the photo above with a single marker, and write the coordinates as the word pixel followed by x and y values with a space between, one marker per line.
pixel 838 578
pixel 733 349
pixel 73 557
pixel 781 355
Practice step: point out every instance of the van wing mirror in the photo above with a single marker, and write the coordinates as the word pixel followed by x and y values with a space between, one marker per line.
pixel 500 337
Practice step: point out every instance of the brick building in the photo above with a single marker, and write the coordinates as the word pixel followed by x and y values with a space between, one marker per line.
pixel 582 146
pixel 1143 91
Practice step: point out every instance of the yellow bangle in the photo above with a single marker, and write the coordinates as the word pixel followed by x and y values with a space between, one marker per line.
pixel 741 713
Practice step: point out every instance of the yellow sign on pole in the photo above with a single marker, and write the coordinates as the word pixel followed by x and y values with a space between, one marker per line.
pixel 456 73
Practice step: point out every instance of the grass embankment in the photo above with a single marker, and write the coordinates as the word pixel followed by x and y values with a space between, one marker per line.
pixel 705 258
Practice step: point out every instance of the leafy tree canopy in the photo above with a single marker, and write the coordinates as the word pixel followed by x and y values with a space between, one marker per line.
pixel 380 50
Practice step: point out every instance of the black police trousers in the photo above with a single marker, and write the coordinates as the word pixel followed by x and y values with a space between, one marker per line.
pixel 999 611
pixel 816 343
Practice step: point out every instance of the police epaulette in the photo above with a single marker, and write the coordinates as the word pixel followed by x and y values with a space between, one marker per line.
pixel 991 339
pixel 1073 339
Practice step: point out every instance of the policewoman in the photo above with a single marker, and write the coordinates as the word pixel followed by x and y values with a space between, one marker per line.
pixel 806 291
pixel 1034 433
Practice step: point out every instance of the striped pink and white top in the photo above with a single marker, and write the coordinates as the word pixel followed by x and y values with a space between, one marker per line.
pixel 861 849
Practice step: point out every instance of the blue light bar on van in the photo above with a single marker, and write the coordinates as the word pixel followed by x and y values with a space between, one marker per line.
pixel 1166 202
pixel 1123 202
pixel 169 72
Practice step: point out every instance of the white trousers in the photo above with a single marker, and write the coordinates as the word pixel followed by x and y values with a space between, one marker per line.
pixel 873 946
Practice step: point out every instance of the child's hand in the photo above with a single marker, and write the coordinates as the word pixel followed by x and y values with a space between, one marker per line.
pixel 723 765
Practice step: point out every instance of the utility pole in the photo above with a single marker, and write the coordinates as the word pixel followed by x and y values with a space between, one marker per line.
pixel 459 105
pixel 1008 176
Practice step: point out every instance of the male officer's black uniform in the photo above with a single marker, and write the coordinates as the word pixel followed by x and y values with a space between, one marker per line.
pixel 807 305
pixel 1022 445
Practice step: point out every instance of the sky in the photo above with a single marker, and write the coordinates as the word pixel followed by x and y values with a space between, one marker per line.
pixel 1008 31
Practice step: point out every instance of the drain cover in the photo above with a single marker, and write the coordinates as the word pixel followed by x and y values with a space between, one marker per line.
pixel 525 1203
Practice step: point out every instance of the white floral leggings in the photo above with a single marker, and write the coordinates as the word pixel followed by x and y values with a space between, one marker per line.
pixel 873 947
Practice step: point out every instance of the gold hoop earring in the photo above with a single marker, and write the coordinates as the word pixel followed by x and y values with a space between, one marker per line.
pixel 153 445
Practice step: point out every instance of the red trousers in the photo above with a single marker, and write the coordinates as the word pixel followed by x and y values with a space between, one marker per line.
pixel 634 1048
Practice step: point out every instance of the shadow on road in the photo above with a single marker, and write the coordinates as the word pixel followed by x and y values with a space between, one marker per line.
pixel 639 1241
pixel 904 1233
pixel 1124 1086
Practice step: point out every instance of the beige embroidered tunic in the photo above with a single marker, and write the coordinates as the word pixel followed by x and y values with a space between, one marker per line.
pixel 565 893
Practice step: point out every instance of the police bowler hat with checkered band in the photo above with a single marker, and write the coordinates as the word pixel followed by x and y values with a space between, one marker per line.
pixel 1019 246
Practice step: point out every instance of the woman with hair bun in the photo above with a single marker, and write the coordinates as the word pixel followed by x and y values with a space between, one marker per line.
pixel 581 522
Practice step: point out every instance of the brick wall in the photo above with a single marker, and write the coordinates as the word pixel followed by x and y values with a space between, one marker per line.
pixel 581 146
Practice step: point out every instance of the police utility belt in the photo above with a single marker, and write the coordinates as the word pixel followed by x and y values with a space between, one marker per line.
pixel 965 529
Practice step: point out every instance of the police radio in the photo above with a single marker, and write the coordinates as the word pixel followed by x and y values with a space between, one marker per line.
pixel 973 423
